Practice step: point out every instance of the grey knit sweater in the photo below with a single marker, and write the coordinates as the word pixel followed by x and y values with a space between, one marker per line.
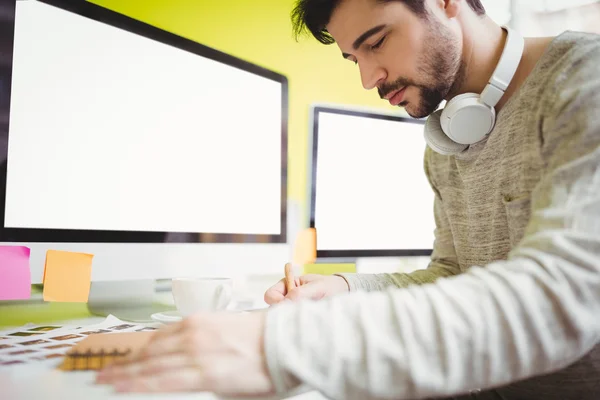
pixel 518 250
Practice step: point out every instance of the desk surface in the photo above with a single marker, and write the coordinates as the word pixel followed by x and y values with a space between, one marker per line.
pixel 38 382
pixel 43 381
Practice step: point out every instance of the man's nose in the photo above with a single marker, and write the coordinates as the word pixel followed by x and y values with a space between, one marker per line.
pixel 371 75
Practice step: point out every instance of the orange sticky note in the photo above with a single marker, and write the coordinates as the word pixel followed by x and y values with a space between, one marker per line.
pixel 67 276
pixel 305 248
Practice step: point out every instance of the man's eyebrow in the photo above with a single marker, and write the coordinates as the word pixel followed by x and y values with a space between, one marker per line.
pixel 366 35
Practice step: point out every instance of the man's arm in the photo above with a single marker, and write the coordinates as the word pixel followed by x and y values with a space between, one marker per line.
pixel 443 258
pixel 530 315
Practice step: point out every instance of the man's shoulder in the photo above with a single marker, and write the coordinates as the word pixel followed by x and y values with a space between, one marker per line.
pixel 568 67
pixel 575 39
pixel 568 116
pixel 571 55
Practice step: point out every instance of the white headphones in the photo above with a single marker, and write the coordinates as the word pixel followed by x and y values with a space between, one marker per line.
pixel 469 117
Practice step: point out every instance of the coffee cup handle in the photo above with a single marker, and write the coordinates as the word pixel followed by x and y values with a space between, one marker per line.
pixel 224 297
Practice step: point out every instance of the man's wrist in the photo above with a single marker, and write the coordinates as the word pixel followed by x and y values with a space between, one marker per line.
pixel 259 324
pixel 276 334
pixel 353 280
pixel 345 284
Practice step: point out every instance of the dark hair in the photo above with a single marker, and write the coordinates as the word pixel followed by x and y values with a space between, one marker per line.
pixel 314 15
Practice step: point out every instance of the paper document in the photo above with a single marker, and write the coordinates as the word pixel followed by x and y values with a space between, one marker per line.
pixel 49 343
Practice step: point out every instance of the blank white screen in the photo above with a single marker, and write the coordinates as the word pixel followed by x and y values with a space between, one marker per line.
pixel 371 190
pixel 114 131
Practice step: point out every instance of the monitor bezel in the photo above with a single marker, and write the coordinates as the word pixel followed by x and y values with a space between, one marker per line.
pixel 120 21
pixel 346 253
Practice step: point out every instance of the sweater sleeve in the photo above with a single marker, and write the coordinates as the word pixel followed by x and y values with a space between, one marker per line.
pixel 443 258
pixel 532 314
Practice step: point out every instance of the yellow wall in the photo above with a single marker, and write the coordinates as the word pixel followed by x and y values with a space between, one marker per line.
pixel 260 31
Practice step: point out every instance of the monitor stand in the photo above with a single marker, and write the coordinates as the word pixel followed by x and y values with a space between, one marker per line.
pixel 376 265
pixel 133 301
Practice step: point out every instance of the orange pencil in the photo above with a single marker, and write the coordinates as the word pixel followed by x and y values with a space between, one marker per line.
pixel 290 281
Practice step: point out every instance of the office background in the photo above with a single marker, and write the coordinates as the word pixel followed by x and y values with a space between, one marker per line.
pixel 260 31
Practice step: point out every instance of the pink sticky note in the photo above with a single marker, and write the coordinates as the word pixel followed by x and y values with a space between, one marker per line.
pixel 15 275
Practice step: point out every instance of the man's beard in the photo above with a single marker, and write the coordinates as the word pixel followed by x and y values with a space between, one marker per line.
pixel 441 67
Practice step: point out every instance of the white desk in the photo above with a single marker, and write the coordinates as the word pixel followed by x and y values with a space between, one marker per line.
pixel 43 381
pixel 30 382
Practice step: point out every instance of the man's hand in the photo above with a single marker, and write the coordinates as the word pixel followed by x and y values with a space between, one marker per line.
pixel 311 286
pixel 221 353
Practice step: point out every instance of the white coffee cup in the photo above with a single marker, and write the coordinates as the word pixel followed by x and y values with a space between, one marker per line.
pixel 192 295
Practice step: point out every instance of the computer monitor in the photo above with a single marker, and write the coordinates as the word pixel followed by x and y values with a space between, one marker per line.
pixel 159 155
pixel 369 194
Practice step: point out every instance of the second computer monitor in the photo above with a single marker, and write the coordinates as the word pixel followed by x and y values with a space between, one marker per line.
pixel 370 196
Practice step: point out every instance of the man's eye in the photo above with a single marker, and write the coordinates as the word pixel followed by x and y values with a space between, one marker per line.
pixel 378 44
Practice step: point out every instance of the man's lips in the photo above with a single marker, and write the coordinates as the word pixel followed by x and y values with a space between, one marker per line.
pixel 396 96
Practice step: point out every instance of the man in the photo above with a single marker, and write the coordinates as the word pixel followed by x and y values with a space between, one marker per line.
pixel 509 307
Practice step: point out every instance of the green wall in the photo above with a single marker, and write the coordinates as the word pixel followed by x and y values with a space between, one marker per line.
pixel 260 31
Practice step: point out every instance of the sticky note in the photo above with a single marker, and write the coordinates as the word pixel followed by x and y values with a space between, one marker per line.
pixel 329 268
pixel 305 247
pixel 15 274
pixel 67 276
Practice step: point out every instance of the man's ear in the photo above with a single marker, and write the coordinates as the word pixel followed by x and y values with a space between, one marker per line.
pixel 451 7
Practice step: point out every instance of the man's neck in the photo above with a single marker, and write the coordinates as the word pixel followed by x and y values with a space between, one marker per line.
pixel 482 47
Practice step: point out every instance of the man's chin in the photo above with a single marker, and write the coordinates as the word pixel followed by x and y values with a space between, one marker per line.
pixel 421 110
pixel 415 113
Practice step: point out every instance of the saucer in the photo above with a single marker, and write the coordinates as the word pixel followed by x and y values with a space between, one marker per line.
pixel 170 317
pixel 167 317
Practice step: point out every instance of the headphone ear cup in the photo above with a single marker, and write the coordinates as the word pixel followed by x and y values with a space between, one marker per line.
pixel 465 119
pixel 436 138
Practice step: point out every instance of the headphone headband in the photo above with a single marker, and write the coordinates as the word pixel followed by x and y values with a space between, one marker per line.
pixel 505 70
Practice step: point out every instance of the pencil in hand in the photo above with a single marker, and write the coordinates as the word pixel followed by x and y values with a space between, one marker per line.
pixel 290 280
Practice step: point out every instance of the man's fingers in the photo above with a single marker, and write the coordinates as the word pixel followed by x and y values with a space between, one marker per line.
pixel 163 346
pixel 168 330
pixel 145 366
pixel 172 380
pixel 276 293
pixel 313 291
pixel 166 338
